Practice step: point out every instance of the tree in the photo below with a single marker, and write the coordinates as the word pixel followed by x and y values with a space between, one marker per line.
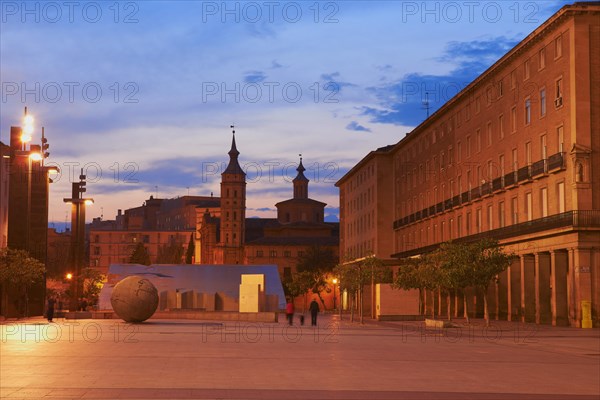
pixel 191 249
pixel 456 266
pixel 20 271
pixel 354 276
pixel 92 281
pixel 317 262
pixel 140 255
pixel 488 262
pixel 298 285
pixel 171 253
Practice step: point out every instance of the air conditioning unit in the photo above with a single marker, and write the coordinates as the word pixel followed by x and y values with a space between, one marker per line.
pixel 558 102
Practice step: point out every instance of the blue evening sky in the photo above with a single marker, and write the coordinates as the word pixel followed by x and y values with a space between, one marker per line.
pixel 142 93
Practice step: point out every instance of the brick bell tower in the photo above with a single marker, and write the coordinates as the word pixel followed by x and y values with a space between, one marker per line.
pixel 233 208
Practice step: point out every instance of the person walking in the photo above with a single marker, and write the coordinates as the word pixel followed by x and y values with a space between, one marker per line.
pixel 314 310
pixel 289 312
pixel 50 309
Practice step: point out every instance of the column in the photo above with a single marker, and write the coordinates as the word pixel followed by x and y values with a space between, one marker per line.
pixel 571 287
pixel 528 288
pixel 560 301
pixel 515 310
pixel 543 280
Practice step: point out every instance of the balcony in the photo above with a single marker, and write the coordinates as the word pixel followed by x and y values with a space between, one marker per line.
pixel 538 168
pixel 556 162
pixel 510 179
pixel 576 219
pixel 541 168
pixel 523 174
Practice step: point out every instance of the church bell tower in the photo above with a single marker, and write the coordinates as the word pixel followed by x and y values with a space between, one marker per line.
pixel 233 208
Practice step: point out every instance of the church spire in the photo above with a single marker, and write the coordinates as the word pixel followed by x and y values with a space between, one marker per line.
pixel 300 182
pixel 234 165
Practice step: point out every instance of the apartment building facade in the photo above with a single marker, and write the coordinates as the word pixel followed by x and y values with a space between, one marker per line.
pixel 515 156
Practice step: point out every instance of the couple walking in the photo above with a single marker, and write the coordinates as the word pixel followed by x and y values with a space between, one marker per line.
pixel 313 308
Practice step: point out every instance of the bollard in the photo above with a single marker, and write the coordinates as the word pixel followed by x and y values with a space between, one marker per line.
pixel 586 314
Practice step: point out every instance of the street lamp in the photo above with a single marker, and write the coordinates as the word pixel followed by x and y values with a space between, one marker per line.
pixel 78 204
pixel 334 281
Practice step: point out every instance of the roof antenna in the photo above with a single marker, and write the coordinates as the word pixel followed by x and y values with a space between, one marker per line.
pixel 426 103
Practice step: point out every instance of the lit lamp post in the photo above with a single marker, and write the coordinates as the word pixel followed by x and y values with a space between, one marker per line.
pixel 77 251
pixel 334 281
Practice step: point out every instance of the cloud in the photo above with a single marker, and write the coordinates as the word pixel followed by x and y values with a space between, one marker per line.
pixel 254 77
pixel 405 101
pixel 355 126
pixel 335 78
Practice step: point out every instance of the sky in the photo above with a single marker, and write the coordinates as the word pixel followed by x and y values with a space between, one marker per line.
pixel 142 94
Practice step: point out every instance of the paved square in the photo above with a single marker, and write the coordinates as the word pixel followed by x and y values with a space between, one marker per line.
pixel 160 359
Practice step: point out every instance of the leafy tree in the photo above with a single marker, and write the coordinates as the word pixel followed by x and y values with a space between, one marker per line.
pixel 354 276
pixel 171 253
pixel 92 281
pixel 317 262
pixel 191 249
pixel 456 266
pixel 298 285
pixel 140 255
pixel 489 261
pixel 20 271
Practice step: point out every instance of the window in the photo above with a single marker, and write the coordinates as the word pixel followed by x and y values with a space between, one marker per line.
pixel 544 201
pixel 528 153
pixel 560 189
pixel 501 214
pixel 513 119
pixel 501 164
pixel 513 79
pixel 459 226
pixel 514 210
pixel 558 47
pixel 300 253
pixel 489 134
pixel 468 146
pixel 527 111
pixel 528 206
pixel 477 105
pixel 558 93
pixel 515 161
pixel 543 147
pixel 287 253
pixel 500 89
pixel 273 253
pixel 96 250
pixel 542 102
pixel 259 253
pixel 501 126
pixel 468 223
pixel 450 155
pixel 458 151
pixel 490 217
pixel 560 137
pixel 527 68
pixel 542 58
pixel 478 221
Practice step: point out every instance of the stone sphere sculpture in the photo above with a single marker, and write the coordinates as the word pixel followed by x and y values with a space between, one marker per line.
pixel 134 299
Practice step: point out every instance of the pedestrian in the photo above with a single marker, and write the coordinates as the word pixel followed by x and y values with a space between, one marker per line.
pixel 289 312
pixel 50 309
pixel 84 304
pixel 314 310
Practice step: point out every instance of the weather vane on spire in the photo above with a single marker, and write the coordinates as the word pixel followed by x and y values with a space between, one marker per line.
pixel 233 129
pixel 300 157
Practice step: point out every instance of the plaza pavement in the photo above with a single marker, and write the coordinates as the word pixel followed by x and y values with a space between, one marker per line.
pixel 183 359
